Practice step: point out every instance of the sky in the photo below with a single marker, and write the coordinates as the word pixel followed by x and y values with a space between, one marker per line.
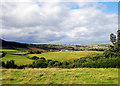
pixel 59 22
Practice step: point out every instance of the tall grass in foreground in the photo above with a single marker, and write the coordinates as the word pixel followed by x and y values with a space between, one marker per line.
pixel 60 76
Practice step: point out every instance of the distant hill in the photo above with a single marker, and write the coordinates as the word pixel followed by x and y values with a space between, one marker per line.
pixel 10 44
pixel 52 47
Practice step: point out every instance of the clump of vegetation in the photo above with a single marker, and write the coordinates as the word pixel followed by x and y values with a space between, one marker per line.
pixel 114 50
pixel 35 52
pixel 9 64
pixel 3 54
pixel 34 57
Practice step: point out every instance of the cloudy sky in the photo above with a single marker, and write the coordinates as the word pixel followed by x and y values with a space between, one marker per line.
pixel 59 22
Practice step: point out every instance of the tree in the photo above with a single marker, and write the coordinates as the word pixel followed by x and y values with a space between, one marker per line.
pixel 117 44
pixel 112 38
pixel 114 50
pixel 118 38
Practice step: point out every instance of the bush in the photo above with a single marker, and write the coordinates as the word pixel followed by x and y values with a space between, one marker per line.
pixel 43 58
pixel 21 66
pixel 65 64
pixel 38 52
pixel 2 55
pixel 51 64
pixel 49 60
pixel 31 52
pixel 11 64
pixel 3 64
pixel 35 57
pixel 39 63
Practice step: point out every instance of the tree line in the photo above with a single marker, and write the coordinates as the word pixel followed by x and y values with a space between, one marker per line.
pixel 98 61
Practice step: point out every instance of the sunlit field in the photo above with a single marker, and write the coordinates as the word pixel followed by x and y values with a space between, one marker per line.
pixel 60 76
pixel 19 59
pixel 59 56
pixel 66 56
pixel 7 50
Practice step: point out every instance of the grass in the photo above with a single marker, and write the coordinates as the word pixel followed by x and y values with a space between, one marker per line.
pixel 19 59
pixel 20 52
pixel 16 49
pixel 7 50
pixel 60 76
pixel 66 56
pixel 59 56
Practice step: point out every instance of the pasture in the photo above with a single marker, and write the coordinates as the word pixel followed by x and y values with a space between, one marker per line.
pixel 7 50
pixel 58 56
pixel 19 59
pixel 60 76
pixel 66 56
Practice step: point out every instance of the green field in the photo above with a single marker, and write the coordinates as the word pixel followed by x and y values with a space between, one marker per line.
pixel 7 50
pixel 66 56
pixel 19 59
pixel 60 76
pixel 59 56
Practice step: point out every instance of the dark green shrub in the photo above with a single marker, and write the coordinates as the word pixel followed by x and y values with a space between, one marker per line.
pixel 3 64
pixel 34 57
pixel 39 63
pixel 65 64
pixel 11 64
pixel 49 60
pixel 51 64
pixel 2 55
pixel 21 66
pixel 43 58
pixel 38 52
pixel 76 60
pixel 31 52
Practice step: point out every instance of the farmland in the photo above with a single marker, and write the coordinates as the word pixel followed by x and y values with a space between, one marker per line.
pixel 58 67
pixel 59 56
pixel 57 75
pixel 7 50
pixel 66 56
pixel 60 76
pixel 19 60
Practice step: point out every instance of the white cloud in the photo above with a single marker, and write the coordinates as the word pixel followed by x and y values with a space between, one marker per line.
pixel 58 22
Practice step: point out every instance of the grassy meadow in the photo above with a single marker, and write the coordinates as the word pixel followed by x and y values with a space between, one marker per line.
pixel 7 50
pixel 19 59
pixel 59 56
pixel 60 76
pixel 66 56
pixel 56 75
